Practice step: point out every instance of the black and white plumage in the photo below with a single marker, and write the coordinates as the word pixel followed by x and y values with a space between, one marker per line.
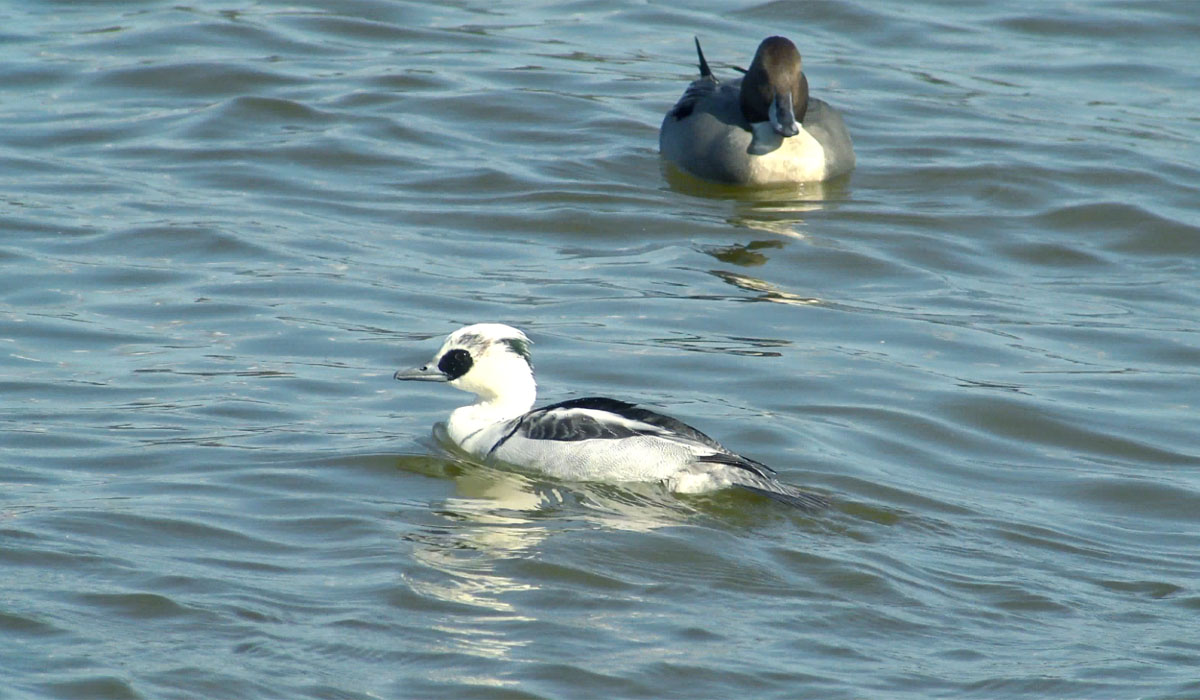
pixel 589 439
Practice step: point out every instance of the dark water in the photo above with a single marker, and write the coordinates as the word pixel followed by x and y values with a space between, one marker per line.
pixel 224 226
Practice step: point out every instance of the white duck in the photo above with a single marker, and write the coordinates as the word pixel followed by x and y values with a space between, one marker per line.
pixel 589 439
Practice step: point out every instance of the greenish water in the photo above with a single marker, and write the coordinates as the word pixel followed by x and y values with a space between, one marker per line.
pixel 225 226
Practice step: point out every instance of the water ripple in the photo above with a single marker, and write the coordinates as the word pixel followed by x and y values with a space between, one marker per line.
pixel 226 227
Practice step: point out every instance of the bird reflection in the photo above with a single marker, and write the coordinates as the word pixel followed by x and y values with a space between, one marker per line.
pixel 765 290
pixel 745 255
pixel 464 546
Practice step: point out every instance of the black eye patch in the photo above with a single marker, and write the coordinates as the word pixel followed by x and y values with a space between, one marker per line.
pixel 455 363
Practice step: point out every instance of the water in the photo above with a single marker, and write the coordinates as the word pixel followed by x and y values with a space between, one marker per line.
pixel 225 226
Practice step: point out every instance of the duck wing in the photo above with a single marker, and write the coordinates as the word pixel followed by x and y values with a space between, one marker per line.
pixel 599 418
pixel 635 414
pixel 698 90
pixel 760 479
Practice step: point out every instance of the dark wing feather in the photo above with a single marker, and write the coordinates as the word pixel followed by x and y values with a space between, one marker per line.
pixel 705 71
pixel 767 485
pixel 733 460
pixel 803 500
pixel 696 91
pixel 699 88
pixel 631 411
pixel 595 403
pixel 569 426
pixel 566 422
pixel 560 422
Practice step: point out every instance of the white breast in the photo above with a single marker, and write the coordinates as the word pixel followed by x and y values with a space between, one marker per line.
pixel 642 458
pixel 799 158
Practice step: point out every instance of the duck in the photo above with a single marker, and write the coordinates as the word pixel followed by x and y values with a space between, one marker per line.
pixel 761 129
pixel 585 439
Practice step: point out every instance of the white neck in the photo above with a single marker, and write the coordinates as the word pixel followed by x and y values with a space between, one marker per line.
pixel 508 392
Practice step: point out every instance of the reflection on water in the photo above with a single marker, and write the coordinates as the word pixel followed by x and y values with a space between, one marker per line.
pixel 725 344
pixel 777 210
pixel 497 516
pixel 765 290
pixel 981 341
pixel 745 255
pixel 469 558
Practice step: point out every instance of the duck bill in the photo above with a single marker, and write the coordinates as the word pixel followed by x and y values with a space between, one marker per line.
pixel 428 373
pixel 764 138
pixel 783 115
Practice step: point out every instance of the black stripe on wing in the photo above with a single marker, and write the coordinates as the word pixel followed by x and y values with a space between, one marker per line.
pixel 734 460
pixel 566 423
pixel 570 421
pixel 767 485
pixel 633 412
pixel 559 422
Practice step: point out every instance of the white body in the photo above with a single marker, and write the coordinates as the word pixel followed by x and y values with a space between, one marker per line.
pixel 592 439
pixel 659 457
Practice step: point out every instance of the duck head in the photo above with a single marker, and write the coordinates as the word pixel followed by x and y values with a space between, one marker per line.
pixel 774 89
pixel 490 360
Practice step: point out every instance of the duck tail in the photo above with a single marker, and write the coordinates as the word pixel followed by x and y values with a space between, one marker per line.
pixel 705 72
pixel 804 500
pixel 759 478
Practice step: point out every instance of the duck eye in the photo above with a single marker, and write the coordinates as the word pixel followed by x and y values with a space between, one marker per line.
pixel 455 363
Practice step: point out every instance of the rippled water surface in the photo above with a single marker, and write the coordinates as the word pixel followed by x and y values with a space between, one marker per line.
pixel 226 224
